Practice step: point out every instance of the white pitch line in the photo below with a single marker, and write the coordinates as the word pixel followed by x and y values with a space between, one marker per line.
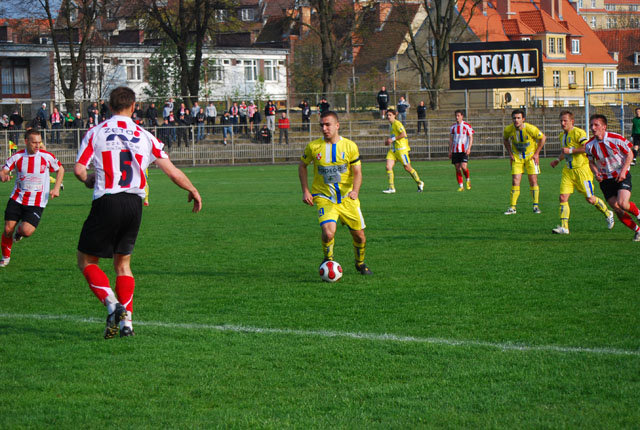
pixel 385 337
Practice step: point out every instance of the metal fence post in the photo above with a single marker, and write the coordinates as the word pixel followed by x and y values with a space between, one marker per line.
pixel 429 139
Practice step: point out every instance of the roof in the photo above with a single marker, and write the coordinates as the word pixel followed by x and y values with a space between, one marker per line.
pixel 626 42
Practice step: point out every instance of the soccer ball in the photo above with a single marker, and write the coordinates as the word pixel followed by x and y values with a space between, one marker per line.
pixel 330 271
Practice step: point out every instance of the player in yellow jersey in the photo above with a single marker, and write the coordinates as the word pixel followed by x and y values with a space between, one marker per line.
pixel 399 151
pixel 576 172
pixel 335 188
pixel 523 142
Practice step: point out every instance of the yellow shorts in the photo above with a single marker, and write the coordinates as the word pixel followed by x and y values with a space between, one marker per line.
pixel 518 166
pixel 580 179
pixel 402 156
pixel 348 212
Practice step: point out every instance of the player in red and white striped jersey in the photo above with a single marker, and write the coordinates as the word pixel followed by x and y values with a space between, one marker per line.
pixel 610 156
pixel 120 151
pixel 31 192
pixel 460 142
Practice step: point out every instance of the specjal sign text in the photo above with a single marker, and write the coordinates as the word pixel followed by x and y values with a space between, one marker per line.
pixel 495 65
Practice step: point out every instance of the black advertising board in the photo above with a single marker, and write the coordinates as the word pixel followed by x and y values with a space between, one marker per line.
pixel 495 65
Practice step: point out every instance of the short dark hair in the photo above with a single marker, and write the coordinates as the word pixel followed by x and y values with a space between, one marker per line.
pixel 121 98
pixel 567 112
pixel 598 116
pixel 329 113
pixel 392 111
pixel 458 111
pixel 519 111
pixel 32 131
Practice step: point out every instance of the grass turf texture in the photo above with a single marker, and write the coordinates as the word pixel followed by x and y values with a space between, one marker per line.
pixel 235 329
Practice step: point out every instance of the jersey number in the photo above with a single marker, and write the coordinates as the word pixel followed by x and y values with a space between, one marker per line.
pixel 125 169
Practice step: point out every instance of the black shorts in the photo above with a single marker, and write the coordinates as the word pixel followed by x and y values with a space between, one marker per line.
pixel 636 139
pixel 610 187
pixel 17 212
pixel 112 225
pixel 459 157
pixel 382 106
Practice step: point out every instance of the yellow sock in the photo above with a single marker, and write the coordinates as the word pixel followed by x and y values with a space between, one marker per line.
pixel 601 206
pixel 565 211
pixel 390 175
pixel 358 250
pixel 535 194
pixel 415 176
pixel 327 249
pixel 515 193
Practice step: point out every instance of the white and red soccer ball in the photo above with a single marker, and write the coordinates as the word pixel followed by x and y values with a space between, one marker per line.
pixel 330 271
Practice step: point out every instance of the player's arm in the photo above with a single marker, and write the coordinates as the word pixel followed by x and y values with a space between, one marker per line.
pixel 180 179
pixel 468 151
pixel 578 150
pixel 507 147
pixel 541 142
pixel 594 169
pixel 5 174
pixel 80 172
pixel 55 192
pixel 625 168
pixel 357 181
pixel 307 198
pixel 450 144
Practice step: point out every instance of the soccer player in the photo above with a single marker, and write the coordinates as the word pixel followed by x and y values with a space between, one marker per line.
pixel 335 188
pixel 399 151
pixel 576 172
pixel 120 151
pixel 635 135
pixel 523 142
pixel 31 191
pixel 460 142
pixel 610 156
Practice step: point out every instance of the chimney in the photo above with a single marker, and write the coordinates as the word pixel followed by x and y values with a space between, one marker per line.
pixel 549 6
pixel 484 7
pixel 6 34
pixel 384 7
pixel 559 9
pixel 305 15
pixel 504 8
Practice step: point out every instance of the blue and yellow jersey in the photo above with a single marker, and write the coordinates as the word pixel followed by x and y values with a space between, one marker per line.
pixel 332 167
pixel 523 142
pixel 400 144
pixel 576 138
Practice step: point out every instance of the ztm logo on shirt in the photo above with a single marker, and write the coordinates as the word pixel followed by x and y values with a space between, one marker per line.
pixel 123 138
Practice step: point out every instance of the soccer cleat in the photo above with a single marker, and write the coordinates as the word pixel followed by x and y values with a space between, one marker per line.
pixel 420 186
pixel 460 189
pixel 536 209
pixel 510 211
pixel 389 191
pixel 113 321
pixel 126 331
pixel 4 262
pixel 146 204
pixel 636 237
pixel 17 237
pixel 560 230
pixel 468 185
pixel 363 269
pixel 610 220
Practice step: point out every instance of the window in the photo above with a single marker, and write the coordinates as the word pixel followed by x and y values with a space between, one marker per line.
pixel 66 69
pixel 15 77
pixel 633 22
pixel 636 58
pixel 593 22
pixel 250 70
pixel 93 69
pixel 609 79
pixel 610 6
pixel 221 15
pixel 134 69
pixel 633 8
pixel 270 70
pixel 572 77
pixel 216 70
pixel 621 84
pixel 575 46
pixel 634 83
pixel 593 4
pixel 247 14
pixel 556 79
pixel 552 45
pixel 560 45
pixel 589 79
pixel 612 22
pixel 580 4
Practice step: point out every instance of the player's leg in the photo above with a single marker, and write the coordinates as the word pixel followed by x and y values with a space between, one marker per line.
pixel 328 239
pixel 516 178
pixel 391 161
pixel 125 285
pixel 7 240
pixel 351 216
pixel 459 176
pixel 464 166
pixel 406 162
pixel 533 170
pixel 621 201
pixel 584 184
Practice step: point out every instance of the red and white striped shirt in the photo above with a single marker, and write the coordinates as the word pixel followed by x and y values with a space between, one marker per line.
pixel 32 176
pixel 120 151
pixel 460 134
pixel 608 154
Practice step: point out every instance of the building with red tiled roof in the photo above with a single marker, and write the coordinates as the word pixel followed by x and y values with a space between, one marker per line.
pixel 610 14
pixel 624 44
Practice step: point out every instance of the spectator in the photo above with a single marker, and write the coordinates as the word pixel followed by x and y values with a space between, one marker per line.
pixel 257 118
pixel 190 122
pixel 68 120
pixel 16 118
pixel 167 109
pixel 172 123
pixel 422 116
pixel 234 113
pixel 41 116
pixel 165 133
pixel 243 111
pixel 305 110
pixel 195 110
pixel 77 129
pixel 251 112
pixel 56 125
pixel 139 113
pixel 91 122
pixel 183 134
pixel 383 101
pixel 402 110
pixel 182 110
pixel 283 127
pixel 4 122
pixel 136 119
pixel 200 124
pixel 323 106
pixel 265 134
pixel 227 126
pixel 152 115
pixel 270 115
pixel 93 112
pixel 211 114
pixel 105 113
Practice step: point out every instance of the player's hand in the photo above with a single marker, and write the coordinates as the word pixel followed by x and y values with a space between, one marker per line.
pixel 622 176
pixel 54 193
pixel 536 158
pixel 566 150
pixel 197 201
pixel 353 195
pixel 307 198
pixel 598 177
pixel 388 141
pixel 449 156
pixel 90 182
pixel 468 152
pixel 554 163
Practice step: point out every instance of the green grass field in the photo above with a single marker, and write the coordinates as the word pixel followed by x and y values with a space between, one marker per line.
pixel 472 319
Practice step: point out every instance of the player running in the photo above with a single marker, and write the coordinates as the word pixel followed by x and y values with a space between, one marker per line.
pixel 610 156
pixel 120 151
pixel 30 193
pixel 576 172
pixel 399 151
pixel 460 142
pixel 335 188
pixel 523 142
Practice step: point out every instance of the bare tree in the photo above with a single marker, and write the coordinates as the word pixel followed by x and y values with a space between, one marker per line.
pixel 429 53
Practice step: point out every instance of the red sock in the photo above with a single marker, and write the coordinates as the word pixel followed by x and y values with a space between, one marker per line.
pixel 633 209
pixel 124 290
pixel 466 174
pixel 459 177
pixel 626 220
pixel 98 282
pixel 7 242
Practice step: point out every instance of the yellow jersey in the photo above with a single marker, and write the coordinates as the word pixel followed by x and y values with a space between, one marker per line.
pixel 332 167
pixel 523 142
pixel 575 138
pixel 399 144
